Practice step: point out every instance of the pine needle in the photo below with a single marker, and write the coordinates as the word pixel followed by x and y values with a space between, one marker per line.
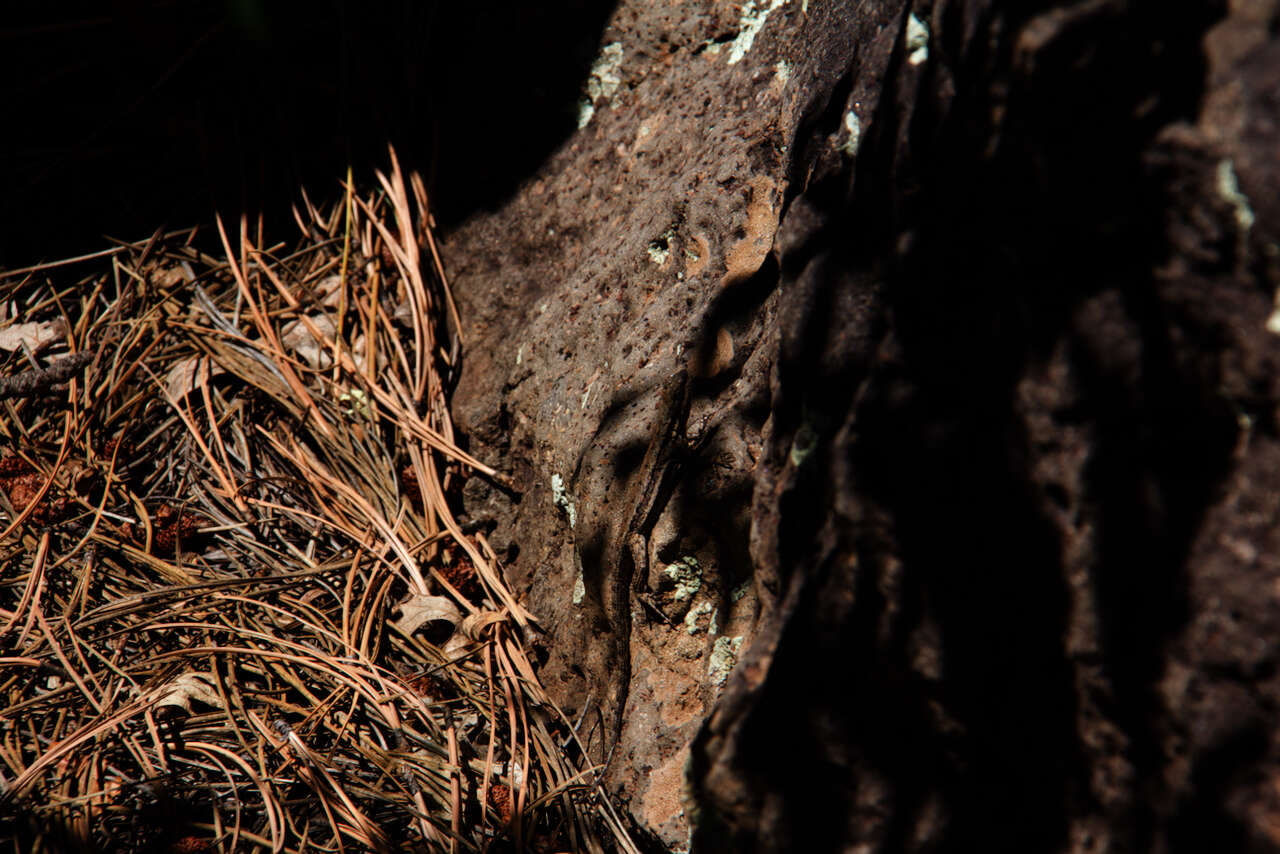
pixel 220 496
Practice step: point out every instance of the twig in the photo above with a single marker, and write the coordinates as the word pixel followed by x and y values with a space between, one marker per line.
pixel 36 380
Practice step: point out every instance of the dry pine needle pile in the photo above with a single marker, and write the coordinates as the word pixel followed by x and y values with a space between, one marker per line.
pixel 237 612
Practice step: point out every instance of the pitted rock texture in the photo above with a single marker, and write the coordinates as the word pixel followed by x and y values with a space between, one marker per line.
pixel 964 541
pixel 642 248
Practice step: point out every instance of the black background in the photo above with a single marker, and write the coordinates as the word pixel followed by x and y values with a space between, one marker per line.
pixel 127 116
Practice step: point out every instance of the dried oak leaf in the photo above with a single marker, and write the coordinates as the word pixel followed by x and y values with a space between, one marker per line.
pixel 297 337
pixel 475 624
pixel 34 334
pixel 433 612
pixel 189 374
pixel 187 687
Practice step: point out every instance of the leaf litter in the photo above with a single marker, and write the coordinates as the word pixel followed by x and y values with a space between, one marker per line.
pixel 237 610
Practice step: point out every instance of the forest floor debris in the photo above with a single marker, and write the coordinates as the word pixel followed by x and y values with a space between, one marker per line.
pixel 237 609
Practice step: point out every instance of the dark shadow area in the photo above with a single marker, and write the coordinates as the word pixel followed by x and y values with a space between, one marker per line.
pixel 158 817
pixel 1204 823
pixel 1014 239
pixel 139 114
pixel 1005 218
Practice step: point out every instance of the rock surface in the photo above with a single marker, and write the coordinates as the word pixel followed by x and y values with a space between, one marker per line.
pixel 890 391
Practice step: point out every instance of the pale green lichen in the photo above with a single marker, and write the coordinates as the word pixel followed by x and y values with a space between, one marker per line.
pixel 579 588
pixel 1229 190
pixel 687 575
pixel 603 81
pixel 854 126
pixel 714 628
pixel 803 444
pixel 917 40
pixel 560 497
pixel 724 655
pixel 751 21
pixel 1273 322
pixel 660 248
pixel 738 592
pixel 783 69
pixel 359 404
pixel 691 618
